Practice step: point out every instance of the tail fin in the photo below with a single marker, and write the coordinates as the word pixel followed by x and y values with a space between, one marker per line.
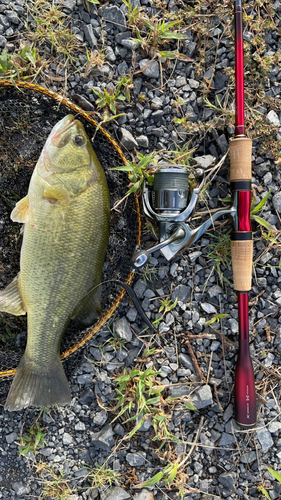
pixel 34 386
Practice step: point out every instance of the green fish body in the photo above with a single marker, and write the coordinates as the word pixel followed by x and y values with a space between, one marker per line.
pixel 66 215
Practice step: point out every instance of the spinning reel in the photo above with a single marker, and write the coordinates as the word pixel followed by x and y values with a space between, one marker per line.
pixel 171 202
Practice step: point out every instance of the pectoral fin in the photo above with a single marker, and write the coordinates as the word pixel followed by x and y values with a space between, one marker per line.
pixel 57 193
pixel 89 308
pixel 20 212
pixel 10 299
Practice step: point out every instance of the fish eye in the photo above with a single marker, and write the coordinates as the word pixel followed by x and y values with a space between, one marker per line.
pixel 79 140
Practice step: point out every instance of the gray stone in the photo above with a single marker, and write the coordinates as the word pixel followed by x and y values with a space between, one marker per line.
pixel 228 412
pixel 204 161
pixel 180 81
pixel 67 439
pixel 222 144
pixel 249 457
pixel 151 68
pixel 274 427
pixel 144 495
pixel 180 390
pixel 100 417
pixel 87 378
pixel 12 17
pixel 20 488
pixel 80 426
pixel 276 200
pixel 214 291
pixel 115 493
pixel 181 292
pixel 89 35
pixel 226 439
pixel 208 308
pixel 128 140
pixel 264 437
pixel 185 360
pixel 203 397
pixel 115 16
pixel 194 84
pixel 104 439
pixel 272 117
pixel 156 103
pixel 10 438
pixel 130 44
pixel 109 53
pixel 122 68
pixel 143 141
pixel 3 41
pixel 4 21
pixel 208 444
pixel 135 459
pixel 139 288
pixel 233 324
pixel 68 4
pixel 122 328
pixel 227 479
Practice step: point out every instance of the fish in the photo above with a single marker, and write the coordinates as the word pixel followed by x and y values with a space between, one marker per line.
pixel 66 217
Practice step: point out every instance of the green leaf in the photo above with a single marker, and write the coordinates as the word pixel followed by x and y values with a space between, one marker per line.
pixel 148 24
pixel 262 203
pixel 265 493
pixel 190 406
pixel 173 36
pixel 155 479
pixel 153 401
pixel 137 427
pixel 112 107
pixel 136 186
pixel 172 474
pixel 215 319
pixel 126 168
pixel 263 223
pixel 94 1
pixel 275 474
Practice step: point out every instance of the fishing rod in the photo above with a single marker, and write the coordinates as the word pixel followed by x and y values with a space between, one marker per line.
pixel 171 202
pixel 241 237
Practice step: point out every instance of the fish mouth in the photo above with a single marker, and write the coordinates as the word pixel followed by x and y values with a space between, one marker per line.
pixel 63 131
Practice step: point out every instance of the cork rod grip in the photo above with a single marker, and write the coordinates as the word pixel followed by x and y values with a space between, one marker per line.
pixel 242 262
pixel 241 159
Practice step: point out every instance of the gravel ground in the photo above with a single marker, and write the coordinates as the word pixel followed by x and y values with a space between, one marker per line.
pixel 225 462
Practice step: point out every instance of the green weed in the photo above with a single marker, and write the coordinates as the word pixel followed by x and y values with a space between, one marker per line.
pixel 33 440
pixel 55 486
pixel 23 65
pixel 109 99
pixel 138 172
pixel 277 476
pixel 100 476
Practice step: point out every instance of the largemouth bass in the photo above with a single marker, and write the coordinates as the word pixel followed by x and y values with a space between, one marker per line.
pixel 66 215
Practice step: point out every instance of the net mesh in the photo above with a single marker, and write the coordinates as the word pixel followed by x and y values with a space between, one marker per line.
pixel 27 115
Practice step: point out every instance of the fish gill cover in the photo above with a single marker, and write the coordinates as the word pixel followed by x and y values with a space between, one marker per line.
pixel 26 119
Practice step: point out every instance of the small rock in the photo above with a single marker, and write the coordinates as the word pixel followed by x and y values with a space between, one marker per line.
pixel 144 495
pixel 86 397
pixel 264 437
pixel 115 16
pixel 156 103
pixel 90 37
pixel 135 459
pixel 104 440
pixel 10 438
pixel 128 140
pixel 222 144
pixel 67 439
pixel 130 44
pixel 249 457
pixel 214 291
pixel 272 117
pixel 181 292
pixel 276 198
pixel 68 4
pixel 115 493
pixel 227 480
pixel 122 328
pixel 185 360
pixel 233 325
pixel 12 17
pixel 194 84
pixel 80 426
pixel 274 427
pixel 180 81
pixel 208 308
pixel 143 141
pixel 226 439
pixel 151 68
pixel 204 161
pixel 3 41
pixel 139 288
pixel 203 397
pixel 20 488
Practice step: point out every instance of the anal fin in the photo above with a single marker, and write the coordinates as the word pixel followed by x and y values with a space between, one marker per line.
pixel 10 299
pixel 20 212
